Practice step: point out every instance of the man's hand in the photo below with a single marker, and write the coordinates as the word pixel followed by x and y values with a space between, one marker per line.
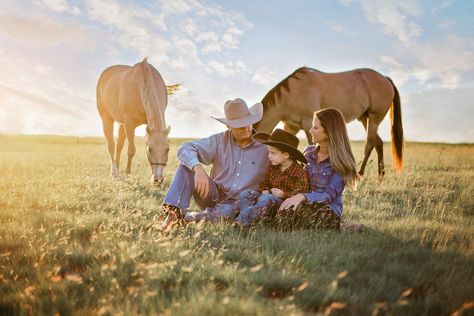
pixel 277 192
pixel 265 192
pixel 292 202
pixel 201 181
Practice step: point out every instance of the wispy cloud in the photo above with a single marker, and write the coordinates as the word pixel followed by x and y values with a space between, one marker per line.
pixel 186 31
pixel 264 77
pixel 436 65
pixel 397 18
pixel 58 6
pixel 442 6
pixel 227 69
pixel 43 30
pixel 338 27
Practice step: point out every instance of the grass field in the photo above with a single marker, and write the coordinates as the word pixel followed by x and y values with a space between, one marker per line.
pixel 73 241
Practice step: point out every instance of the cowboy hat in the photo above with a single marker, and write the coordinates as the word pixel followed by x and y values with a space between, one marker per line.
pixel 238 114
pixel 282 140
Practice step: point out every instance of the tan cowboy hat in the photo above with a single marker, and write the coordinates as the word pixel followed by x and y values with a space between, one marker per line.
pixel 238 114
pixel 282 140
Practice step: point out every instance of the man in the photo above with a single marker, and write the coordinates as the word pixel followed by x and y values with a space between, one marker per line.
pixel 238 163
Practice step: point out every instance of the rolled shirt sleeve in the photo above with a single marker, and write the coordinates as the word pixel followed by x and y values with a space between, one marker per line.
pixel 199 151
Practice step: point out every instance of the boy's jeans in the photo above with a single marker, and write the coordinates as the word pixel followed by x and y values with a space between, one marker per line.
pixel 251 201
pixel 182 188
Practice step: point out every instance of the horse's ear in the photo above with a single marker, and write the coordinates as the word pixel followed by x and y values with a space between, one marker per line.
pixel 168 129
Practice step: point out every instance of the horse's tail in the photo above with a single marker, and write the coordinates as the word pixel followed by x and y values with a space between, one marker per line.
pixel 397 129
pixel 153 98
pixel 170 89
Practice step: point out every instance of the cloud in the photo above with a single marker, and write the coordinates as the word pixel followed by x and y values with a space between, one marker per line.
pixel 394 16
pixel 37 29
pixel 442 6
pixel 186 31
pixel 440 114
pixel 227 69
pixel 187 106
pixel 338 27
pixel 447 23
pixel 58 6
pixel 130 29
pixel 442 64
pixel 35 99
pixel 264 77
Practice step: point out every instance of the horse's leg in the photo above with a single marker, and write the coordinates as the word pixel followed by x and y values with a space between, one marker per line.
pixel 379 149
pixel 120 143
pixel 130 131
pixel 370 142
pixel 108 127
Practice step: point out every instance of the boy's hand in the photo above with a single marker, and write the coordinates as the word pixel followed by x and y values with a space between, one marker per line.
pixel 265 192
pixel 277 192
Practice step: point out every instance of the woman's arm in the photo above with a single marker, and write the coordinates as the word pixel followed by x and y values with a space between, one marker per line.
pixel 327 194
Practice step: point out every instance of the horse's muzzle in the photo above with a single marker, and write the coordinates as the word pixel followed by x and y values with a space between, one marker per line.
pixel 158 181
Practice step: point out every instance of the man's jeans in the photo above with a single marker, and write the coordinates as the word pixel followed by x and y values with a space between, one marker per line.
pixel 251 201
pixel 182 188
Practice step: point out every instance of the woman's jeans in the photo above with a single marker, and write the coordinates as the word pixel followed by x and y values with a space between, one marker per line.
pixel 182 188
pixel 251 202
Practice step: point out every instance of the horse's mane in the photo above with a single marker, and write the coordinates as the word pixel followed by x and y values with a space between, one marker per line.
pixel 155 115
pixel 269 98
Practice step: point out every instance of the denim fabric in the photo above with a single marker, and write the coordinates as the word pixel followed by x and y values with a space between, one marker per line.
pixel 251 201
pixel 327 185
pixel 182 188
pixel 224 210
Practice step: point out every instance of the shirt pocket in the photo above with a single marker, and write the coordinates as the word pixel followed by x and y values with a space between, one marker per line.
pixel 322 177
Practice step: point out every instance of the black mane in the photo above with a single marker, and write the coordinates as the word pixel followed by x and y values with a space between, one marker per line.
pixel 269 98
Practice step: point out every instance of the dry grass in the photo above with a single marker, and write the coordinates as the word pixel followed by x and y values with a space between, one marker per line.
pixel 73 241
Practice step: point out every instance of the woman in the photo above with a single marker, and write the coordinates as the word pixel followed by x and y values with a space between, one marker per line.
pixel 331 166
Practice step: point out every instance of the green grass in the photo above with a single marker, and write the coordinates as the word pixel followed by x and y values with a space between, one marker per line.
pixel 74 241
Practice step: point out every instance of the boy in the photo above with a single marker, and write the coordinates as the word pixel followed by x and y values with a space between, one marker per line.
pixel 284 178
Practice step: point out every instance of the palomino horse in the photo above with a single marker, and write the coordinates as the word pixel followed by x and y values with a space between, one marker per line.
pixel 361 94
pixel 133 96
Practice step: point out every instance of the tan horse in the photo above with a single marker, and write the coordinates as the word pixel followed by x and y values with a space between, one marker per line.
pixel 133 96
pixel 361 94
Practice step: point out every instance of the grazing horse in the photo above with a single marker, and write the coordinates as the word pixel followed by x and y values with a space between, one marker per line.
pixel 361 94
pixel 133 96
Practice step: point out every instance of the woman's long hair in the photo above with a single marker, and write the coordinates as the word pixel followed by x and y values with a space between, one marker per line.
pixel 340 151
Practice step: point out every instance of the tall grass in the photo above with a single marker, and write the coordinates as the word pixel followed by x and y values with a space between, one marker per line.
pixel 74 241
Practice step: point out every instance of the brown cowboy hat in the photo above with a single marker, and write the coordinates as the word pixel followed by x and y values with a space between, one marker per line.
pixel 238 114
pixel 282 140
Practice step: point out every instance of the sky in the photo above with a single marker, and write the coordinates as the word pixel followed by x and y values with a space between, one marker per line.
pixel 53 51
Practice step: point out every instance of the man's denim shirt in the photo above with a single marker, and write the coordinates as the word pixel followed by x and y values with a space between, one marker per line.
pixel 326 184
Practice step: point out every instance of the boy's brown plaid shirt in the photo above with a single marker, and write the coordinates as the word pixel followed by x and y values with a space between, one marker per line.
pixel 291 181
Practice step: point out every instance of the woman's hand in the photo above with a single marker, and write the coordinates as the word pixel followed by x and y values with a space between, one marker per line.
pixel 292 202
pixel 277 192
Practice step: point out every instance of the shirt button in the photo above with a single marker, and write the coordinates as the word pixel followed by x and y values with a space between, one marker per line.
pixel 239 161
pixel 237 174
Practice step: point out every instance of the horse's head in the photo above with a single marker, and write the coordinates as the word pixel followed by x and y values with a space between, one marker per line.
pixel 157 148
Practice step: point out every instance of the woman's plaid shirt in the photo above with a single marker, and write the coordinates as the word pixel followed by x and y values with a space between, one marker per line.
pixel 291 181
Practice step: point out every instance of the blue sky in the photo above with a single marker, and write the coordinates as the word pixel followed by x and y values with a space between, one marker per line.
pixel 53 51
